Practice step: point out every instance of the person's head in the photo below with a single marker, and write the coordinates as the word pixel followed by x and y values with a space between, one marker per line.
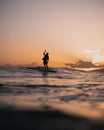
pixel 47 53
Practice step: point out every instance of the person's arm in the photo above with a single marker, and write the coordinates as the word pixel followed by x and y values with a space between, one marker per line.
pixel 44 52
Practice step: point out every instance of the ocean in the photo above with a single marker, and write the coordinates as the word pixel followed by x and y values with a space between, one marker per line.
pixel 69 90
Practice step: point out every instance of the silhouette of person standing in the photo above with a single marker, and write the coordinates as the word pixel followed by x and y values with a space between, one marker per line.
pixel 45 59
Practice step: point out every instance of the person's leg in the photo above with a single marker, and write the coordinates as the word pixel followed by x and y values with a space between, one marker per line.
pixel 47 66
pixel 44 64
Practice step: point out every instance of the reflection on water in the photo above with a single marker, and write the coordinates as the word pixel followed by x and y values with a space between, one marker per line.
pixel 83 109
pixel 45 76
pixel 61 86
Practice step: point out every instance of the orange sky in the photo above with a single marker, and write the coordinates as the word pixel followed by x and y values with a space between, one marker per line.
pixel 66 28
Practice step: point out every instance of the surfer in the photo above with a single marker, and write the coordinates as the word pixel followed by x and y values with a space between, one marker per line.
pixel 45 59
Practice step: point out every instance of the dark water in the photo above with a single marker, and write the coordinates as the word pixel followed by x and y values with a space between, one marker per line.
pixel 59 85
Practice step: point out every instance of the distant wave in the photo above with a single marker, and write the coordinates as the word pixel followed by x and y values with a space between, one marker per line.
pixel 32 85
pixel 97 69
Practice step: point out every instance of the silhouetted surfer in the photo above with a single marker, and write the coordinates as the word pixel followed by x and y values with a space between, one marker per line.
pixel 45 59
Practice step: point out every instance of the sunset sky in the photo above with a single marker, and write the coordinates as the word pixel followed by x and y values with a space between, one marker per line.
pixel 68 29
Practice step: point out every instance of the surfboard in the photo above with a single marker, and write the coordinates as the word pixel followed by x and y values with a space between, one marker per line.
pixel 42 69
